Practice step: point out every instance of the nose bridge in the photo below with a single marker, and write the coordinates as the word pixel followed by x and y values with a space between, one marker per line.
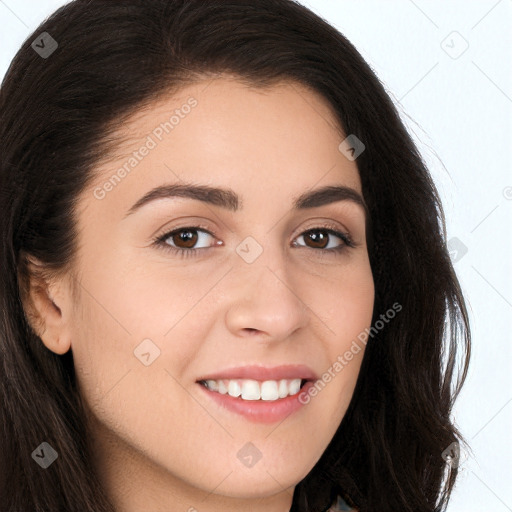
pixel 263 296
pixel 263 255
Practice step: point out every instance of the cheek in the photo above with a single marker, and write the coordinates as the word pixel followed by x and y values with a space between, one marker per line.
pixel 346 308
pixel 355 302
pixel 157 300
pixel 101 348
pixel 345 303
pixel 137 401
pixel 138 327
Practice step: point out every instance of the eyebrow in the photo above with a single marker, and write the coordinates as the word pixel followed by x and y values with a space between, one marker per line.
pixel 229 200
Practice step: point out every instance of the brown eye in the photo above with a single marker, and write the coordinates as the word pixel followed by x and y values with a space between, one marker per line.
pixel 320 238
pixel 182 242
pixel 187 237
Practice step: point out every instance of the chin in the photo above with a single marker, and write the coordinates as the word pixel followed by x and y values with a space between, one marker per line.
pixel 251 486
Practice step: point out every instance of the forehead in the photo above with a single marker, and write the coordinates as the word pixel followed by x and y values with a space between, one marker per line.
pixel 276 140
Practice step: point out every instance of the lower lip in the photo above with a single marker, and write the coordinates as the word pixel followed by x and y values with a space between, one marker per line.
pixel 260 411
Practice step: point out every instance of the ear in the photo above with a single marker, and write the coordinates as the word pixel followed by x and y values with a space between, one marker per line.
pixel 47 305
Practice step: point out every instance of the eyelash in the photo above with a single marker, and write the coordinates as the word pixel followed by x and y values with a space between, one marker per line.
pixel 159 241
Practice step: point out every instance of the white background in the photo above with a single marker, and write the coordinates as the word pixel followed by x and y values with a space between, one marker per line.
pixel 458 106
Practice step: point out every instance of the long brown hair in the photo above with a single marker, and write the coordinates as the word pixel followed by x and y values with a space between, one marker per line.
pixel 56 114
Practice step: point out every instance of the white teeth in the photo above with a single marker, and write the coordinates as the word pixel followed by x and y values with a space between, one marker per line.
pixel 269 390
pixel 283 388
pixel 234 389
pixel 248 389
pixel 213 385
pixel 222 387
pixel 294 386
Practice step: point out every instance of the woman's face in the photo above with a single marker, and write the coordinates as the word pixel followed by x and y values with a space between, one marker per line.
pixel 153 319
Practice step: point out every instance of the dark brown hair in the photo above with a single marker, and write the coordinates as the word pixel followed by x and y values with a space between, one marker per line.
pixel 56 117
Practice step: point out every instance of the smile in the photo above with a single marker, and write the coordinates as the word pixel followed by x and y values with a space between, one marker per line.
pixel 249 389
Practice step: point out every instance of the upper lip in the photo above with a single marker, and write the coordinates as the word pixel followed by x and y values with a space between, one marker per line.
pixel 262 373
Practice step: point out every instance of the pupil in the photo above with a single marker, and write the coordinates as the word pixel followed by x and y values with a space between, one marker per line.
pixel 187 237
pixel 317 236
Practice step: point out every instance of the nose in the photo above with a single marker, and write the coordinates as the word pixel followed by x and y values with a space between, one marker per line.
pixel 265 300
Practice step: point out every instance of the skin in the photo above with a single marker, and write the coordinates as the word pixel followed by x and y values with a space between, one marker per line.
pixel 159 442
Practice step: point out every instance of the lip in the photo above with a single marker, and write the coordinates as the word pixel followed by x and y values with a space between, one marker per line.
pixel 260 411
pixel 262 373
